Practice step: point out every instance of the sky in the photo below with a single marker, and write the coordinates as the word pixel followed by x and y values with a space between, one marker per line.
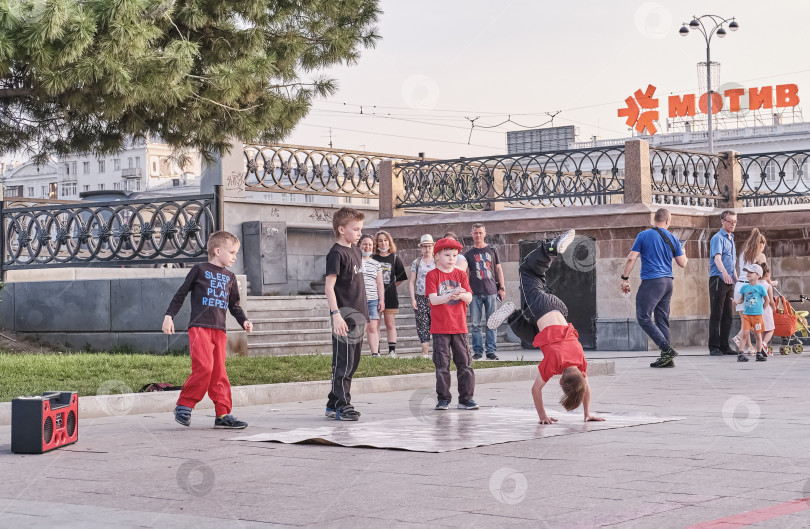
pixel 441 62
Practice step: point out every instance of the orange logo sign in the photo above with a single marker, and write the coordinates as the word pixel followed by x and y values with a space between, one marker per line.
pixel 640 110
pixel 641 120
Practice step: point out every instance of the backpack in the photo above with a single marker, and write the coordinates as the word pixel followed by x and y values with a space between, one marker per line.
pixel 159 386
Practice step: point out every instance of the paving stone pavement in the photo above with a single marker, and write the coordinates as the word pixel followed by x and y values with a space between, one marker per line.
pixel 744 446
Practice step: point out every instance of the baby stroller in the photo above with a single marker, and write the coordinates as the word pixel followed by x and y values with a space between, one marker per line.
pixel 787 321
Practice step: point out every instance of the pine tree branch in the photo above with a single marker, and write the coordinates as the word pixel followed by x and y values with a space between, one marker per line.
pixel 8 93
pixel 197 96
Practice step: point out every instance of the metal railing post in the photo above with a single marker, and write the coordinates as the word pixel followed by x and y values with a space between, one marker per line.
pixel 637 175
pixel 729 180
pixel 392 190
pixel 219 208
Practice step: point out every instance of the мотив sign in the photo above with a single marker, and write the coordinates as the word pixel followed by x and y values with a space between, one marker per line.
pixel 641 110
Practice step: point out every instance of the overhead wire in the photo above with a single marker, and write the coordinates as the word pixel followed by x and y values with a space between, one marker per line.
pixel 399 136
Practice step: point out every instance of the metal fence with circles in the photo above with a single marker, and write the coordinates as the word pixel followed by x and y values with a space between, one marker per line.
pixel 141 231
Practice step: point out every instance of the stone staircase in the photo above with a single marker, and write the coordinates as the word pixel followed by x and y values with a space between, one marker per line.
pixel 290 325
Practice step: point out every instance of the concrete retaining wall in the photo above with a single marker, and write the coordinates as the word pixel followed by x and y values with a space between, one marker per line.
pixel 614 228
pixel 101 314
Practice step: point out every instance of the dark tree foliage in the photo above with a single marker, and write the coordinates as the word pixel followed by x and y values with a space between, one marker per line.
pixel 86 75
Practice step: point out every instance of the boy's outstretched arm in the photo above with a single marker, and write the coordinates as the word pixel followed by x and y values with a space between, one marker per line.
pixel 537 395
pixel 178 300
pixel 586 404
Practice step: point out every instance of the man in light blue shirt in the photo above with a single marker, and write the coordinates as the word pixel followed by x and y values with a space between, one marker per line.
pixel 656 247
pixel 722 276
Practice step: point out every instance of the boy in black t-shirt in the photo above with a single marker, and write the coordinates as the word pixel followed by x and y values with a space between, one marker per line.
pixel 213 291
pixel 346 295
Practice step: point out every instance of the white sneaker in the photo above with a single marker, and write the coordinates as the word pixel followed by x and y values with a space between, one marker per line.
pixel 560 243
pixel 500 315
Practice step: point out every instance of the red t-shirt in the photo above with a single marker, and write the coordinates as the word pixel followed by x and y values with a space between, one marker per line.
pixel 561 349
pixel 450 317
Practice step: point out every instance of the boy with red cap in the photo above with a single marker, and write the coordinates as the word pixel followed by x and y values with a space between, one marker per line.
pixel 544 324
pixel 448 290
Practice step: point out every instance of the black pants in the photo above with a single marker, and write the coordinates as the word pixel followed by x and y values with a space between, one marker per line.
pixel 446 346
pixel 722 309
pixel 346 352
pixel 653 298
pixel 539 301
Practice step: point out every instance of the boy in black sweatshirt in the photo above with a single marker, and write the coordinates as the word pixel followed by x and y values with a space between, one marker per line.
pixel 213 291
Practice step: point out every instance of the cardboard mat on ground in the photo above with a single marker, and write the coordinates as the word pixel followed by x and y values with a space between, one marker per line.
pixel 444 431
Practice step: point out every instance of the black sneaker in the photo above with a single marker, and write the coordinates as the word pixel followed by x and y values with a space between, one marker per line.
pixel 716 352
pixel 477 356
pixel 442 405
pixel 559 244
pixel 730 352
pixel 500 315
pixel 182 414
pixel 230 422
pixel 669 352
pixel 762 356
pixel 742 358
pixel 347 413
pixel 663 361
pixel 492 356
pixel 330 413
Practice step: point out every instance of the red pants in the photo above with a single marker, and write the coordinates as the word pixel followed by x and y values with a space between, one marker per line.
pixel 207 347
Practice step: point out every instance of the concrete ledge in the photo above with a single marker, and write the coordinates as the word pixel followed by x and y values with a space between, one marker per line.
pixel 139 403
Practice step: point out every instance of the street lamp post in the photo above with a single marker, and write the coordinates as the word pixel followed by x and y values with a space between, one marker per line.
pixel 708 31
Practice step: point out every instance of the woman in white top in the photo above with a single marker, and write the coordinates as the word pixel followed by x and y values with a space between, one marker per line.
pixel 373 280
pixel 752 252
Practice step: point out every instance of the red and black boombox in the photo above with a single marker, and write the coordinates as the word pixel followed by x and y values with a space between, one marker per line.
pixel 40 424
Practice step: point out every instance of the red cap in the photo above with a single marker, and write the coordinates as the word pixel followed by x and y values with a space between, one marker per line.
pixel 443 244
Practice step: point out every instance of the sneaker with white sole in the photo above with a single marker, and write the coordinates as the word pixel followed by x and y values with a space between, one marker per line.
pixel 559 244
pixel 501 315
pixel 330 413
pixel 469 405
pixel 442 405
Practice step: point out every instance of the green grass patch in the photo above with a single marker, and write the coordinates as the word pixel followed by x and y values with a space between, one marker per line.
pixel 32 374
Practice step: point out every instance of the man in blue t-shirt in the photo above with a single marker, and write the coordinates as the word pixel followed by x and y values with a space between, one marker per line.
pixel 656 247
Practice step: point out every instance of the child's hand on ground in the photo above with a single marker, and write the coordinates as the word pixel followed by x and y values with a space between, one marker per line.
pixel 591 418
pixel 168 325
pixel 545 419
pixel 248 326
pixel 339 325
